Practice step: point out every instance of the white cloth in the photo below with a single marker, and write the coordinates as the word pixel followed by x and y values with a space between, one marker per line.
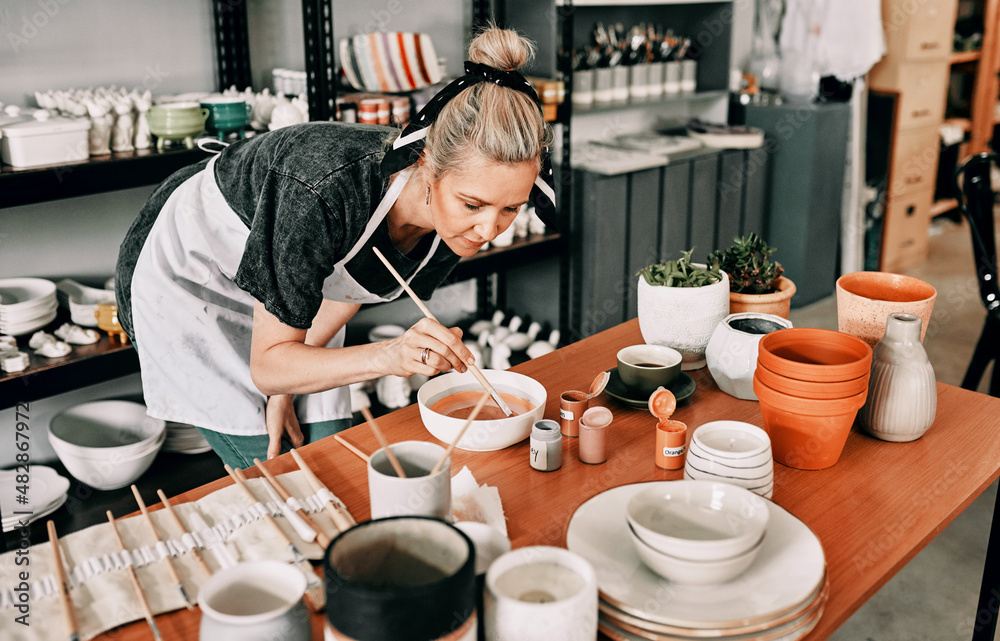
pixel 193 325
pixel 844 37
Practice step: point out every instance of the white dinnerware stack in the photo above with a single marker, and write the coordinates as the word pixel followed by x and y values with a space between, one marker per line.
pixel 731 452
pixel 26 304
pixel 82 301
pixel 779 595
pixel 184 439
pixel 29 495
pixel 107 444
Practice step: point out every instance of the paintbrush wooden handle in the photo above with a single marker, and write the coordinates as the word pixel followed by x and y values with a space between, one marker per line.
pixel 423 308
pixel 321 536
pixel 180 524
pixel 156 537
pixel 383 443
pixel 139 592
pixel 341 517
pixel 451 447
pixel 69 616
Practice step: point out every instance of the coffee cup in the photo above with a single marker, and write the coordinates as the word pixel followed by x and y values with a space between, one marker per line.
pixel 643 368
pixel 254 601
pixel 420 493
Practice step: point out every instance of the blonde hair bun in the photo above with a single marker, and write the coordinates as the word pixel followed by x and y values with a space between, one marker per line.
pixel 501 49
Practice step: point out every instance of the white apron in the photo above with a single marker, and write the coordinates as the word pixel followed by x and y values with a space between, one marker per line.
pixel 193 325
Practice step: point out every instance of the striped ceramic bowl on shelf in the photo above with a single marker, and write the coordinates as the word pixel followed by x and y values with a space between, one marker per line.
pixel 731 452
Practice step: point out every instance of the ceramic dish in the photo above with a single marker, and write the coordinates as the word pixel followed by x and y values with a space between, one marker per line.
pixel 788 570
pixel 46 488
pixel 691 572
pixel 683 387
pixel 784 622
pixel 482 435
pixel 797 629
pixel 18 294
pixel 698 520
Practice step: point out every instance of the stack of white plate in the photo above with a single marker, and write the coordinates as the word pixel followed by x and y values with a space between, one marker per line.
pixel 42 488
pixel 81 301
pixel 780 597
pixel 184 439
pixel 26 304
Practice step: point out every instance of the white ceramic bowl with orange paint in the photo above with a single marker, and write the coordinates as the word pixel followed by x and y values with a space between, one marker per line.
pixel 451 393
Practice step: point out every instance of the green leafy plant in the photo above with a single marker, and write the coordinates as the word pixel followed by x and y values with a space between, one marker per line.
pixel 680 273
pixel 747 262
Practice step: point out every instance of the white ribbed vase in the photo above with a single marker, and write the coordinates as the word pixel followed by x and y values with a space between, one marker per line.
pixel 902 391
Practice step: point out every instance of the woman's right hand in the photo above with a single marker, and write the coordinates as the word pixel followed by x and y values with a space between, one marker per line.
pixel 427 348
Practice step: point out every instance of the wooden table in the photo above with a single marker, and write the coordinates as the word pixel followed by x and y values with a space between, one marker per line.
pixel 873 511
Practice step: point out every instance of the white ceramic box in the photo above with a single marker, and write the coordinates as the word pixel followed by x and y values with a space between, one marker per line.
pixel 33 143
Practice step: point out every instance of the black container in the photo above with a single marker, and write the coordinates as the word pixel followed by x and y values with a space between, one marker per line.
pixel 405 578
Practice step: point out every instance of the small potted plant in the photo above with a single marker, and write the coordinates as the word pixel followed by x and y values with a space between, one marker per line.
pixel 756 283
pixel 680 303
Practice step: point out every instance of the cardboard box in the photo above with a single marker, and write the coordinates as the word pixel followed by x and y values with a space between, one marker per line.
pixel 922 87
pixel 915 155
pixel 919 29
pixel 905 229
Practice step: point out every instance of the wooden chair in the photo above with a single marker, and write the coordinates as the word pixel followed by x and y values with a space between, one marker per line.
pixel 976 201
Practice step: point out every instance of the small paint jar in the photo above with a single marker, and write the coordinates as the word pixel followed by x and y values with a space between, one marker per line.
pixel 594 435
pixel 671 444
pixel 546 446
pixel 572 405
pixel 368 111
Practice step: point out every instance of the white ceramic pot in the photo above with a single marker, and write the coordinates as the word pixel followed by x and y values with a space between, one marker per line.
pixel 732 350
pixel 683 318
pixel 254 601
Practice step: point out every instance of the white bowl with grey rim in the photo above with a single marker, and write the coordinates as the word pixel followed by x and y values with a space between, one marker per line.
pixel 731 452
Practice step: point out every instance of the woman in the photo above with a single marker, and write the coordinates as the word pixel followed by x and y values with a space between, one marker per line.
pixel 240 273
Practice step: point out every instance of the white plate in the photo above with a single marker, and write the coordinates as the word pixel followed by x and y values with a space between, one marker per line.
pixel 19 293
pixel 611 629
pixel 20 329
pixel 45 486
pixel 787 571
pixel 9 526
pixel 36 311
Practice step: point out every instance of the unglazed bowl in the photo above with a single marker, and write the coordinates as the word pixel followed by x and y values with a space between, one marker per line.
pixel 865 300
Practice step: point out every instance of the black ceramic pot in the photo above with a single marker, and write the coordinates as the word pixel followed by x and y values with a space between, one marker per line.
pixel 406 578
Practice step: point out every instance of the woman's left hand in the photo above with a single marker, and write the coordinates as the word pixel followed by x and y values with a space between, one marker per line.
pixel 280 418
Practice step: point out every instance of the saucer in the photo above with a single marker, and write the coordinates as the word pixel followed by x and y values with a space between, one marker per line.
pixel 682 387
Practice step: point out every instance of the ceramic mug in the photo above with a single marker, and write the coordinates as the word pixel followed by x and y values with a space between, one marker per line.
pixel 420 493
pixel 255 601
pixel 643 368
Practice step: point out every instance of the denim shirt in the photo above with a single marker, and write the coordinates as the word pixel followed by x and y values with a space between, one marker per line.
pixel 306 193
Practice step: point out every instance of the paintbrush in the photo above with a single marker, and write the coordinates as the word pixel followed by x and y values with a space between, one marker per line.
pixel 67 604
pixel 199 559
pixel 334 506
pixel 166 557
pixel 139 592
pixel 321 536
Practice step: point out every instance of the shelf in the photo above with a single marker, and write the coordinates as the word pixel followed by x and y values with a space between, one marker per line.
pixel 962 57
pixel 642 103
pixel 495 259
pixel 943 206
pixel 85 365
pixel 97 175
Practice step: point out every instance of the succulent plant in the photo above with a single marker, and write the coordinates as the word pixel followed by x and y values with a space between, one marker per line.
pixel 747 262
pixel 680 273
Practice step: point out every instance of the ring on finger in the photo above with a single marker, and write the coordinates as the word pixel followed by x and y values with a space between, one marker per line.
pixel 424 353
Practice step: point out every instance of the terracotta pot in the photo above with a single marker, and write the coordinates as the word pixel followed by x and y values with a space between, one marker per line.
pixel 810 354
pixel 807 434
pixel 811 389
pixel 777 303
pixel 865 300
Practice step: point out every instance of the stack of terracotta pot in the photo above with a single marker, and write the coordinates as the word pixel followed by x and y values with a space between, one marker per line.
pixel 811 384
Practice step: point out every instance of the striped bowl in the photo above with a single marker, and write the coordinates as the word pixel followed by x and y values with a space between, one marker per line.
pixel 731 452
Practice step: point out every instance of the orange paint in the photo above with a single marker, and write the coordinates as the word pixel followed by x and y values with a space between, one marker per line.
pixel 460 405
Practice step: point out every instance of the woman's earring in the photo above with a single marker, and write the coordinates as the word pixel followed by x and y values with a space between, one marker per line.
pixel 428 200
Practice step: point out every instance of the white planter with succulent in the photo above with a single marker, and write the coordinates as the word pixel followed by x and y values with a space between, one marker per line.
pixel 680 304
